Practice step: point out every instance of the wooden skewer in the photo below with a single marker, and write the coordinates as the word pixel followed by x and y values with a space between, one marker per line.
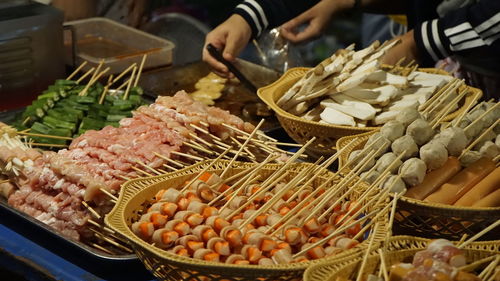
pixel 335 233
pixel 481 117
pixel 129 84
pixel 85 75
pixel 204 170
pixel 105 90
pixel 169 160
pixel 96 224
pixel 4 181
pixel 196 158
pixel 148 167
pixel 169 167
pixel 264 208
pixel 441 95
pixel 261 191
pixel 246 179
pixel 114 198
pixel 478 235
pixel 140 70
pixel 462 239
pixel 84 63
pixel 97 246
pixel 445 110
pixel 496 159
pixel 142 171
pixel 247 134
pixel 383 266
pixel 92 81
pixel 198 147
pixel 47 144
pixel 241 148
pixel 367 253
pixel 447 94
pixel 244 147
pixel 478 139
pixel 369 224
pixel 123 73
pixel 91 210
pixel 291 216
pixel 283 144
pixel 123 85
pixel 457 121
pixel 110 240
pixel 44 136
pixel 391 217
pixel 485 274
pixel 124 178
pixel 194 136
pixel 437 95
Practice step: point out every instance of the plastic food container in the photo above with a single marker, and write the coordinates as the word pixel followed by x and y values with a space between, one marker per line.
pixel 116 44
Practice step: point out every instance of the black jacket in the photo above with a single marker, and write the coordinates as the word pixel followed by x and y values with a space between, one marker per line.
pixel 470 34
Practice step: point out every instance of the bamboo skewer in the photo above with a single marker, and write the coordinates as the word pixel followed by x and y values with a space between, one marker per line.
pixel 47 144
pixel 335 233
pixel 261 191
pixel 485 274
pixel 203 171
pixel 129 84
pixel 105 228
pixel 479 234
pixel 123 73
pixel 439 96
pixel 142 171
pixel 383 266
pixel 445 110
pixel 97 246
pixel 457 121
pixel 264 208
pixel 4 181
pixel 44 136
pixel 189 156
pixel 85 75
pixel 92 81
pixel 446 95
pixel 169 160
pixel 114 198
pixel 241 148
pixel 245 133
pixel 105 90
pixel 110 240
pixel 478 139
pixel 199 148
pixel 367 253
pixel 481 117
pixel 148 167
pixel 140 70
pixel 84 63
pixel 369 224
pixel 91 210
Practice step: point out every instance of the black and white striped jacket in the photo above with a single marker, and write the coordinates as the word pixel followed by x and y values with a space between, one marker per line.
pixel 470 32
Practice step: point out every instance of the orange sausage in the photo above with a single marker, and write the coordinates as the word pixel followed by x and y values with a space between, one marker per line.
pixel 488 185
pixel 462 182
pixel 490 200
pixel 434 179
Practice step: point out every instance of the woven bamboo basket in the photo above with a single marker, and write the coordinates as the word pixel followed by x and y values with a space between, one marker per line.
pixel 431 220
pixel 136 194
pixel 302 130
pixel 400 249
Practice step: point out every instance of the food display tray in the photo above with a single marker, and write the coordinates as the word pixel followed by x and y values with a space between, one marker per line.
pixel 49 238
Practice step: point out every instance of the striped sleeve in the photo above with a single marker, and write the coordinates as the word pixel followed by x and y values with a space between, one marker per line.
pixel 474 28
pixel 263 14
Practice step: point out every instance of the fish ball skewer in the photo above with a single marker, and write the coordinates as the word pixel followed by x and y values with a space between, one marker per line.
pixel 413 171
pixel 405 144
pixel 420 130
pixel 392 130
pixel 434 154
pixel 386 160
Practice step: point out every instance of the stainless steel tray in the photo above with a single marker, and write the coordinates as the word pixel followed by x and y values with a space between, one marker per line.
pixel 235 98
pixel 57 239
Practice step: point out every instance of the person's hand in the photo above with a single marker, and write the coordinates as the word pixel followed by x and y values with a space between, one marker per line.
pixel 406 49
pixel 230 37
pixel 317 18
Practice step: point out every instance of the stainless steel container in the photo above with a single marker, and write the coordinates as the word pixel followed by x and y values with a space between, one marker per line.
pixel 31 51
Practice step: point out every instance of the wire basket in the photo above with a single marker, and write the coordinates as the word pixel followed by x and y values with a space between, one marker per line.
pixel 302 130
pixel 400 249
pixel 431 220
pixel 167 266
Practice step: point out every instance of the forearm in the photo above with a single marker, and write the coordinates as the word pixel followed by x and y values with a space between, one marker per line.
pixel 263 14
pixel 472 32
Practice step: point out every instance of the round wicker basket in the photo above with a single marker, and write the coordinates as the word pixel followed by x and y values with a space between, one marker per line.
pixel 136 194
pixel 302 130
pixel 431 220
pixel 400 249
